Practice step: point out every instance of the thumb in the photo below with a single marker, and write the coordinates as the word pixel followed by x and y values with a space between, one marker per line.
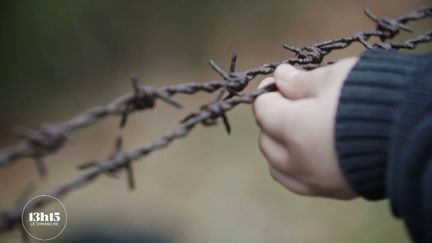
pixel 294 83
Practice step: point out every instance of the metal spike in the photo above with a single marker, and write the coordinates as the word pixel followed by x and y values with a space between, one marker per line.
pixel 118 144
pixel 87 165
pixel 124 118
pixel 226 123
pixel 130 175
pixel 135 84
pixel 370 15
pixel 41 168
pixel 170 101
pixel 219 70
pixel 406 28
pixel 292 48
pixel 233 62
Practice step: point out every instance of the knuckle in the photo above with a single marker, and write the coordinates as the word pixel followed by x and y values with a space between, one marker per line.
pixel 259 104
pixel 293 186
pixel 261 143
pixel 299 188
pixel 299 191
pixel 263 107
pixel 265 82
pixel 258 107
pixel 274 176
pixel 300 87
pixel 283 70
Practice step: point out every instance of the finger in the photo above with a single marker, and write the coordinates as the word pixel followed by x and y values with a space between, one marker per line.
pixel 275 152
pixel 286 71
pixel 270 109
pixel 294 83
pixel 266 82
pixel 290 183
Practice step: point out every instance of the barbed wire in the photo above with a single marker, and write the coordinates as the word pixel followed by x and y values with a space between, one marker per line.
pixel 50 138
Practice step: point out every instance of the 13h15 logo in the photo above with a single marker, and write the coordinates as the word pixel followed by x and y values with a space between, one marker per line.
pixel 45 223
pixel 41 218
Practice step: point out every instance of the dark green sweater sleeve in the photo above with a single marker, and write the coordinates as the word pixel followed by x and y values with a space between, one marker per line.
pixel 383 134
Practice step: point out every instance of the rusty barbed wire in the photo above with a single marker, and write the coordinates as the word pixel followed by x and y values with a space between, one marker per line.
pixel 50 138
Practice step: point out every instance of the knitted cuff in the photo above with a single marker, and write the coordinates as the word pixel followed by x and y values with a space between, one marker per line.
pixel 369 98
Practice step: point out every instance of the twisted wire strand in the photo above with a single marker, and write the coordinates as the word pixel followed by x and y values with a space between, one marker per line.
pixel 50 138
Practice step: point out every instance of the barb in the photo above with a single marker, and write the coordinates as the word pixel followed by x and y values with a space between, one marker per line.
pixel 408 44
pixel 41 143
pixel 119 160
pixel 52 137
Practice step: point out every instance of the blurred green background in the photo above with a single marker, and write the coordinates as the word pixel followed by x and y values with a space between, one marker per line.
pixel 60 57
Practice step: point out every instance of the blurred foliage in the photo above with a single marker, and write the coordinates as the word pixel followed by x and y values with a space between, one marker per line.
pixel 47 46
pixel 52 49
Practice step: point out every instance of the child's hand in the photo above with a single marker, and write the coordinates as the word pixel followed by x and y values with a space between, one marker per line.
pixel 297 129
